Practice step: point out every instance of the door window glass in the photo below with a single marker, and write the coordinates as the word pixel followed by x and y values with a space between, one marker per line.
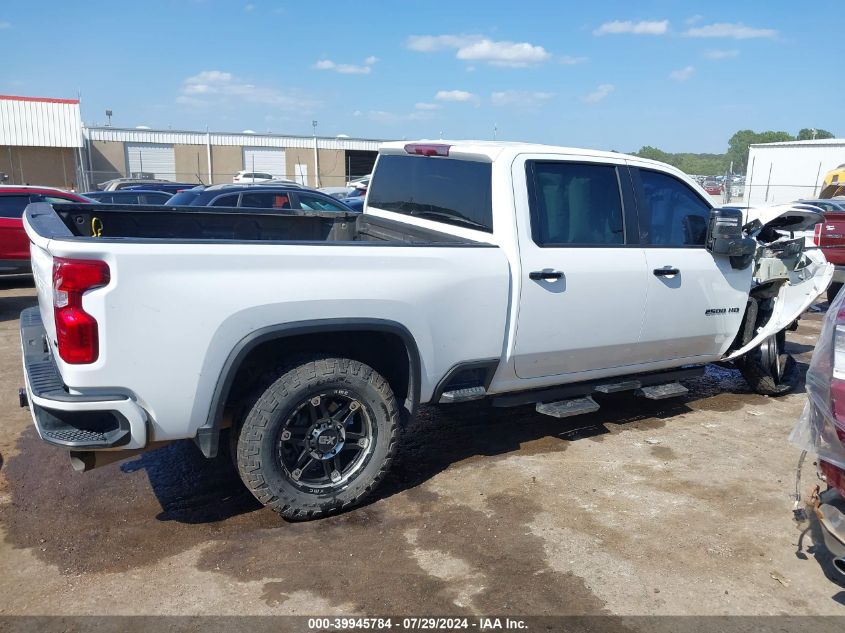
pixel 576 204
pixel 673 214
pixel 266 200
pixel 313 203
pixel 13 206
pixel 226 201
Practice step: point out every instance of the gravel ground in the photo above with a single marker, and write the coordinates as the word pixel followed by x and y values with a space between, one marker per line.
pixel 679 507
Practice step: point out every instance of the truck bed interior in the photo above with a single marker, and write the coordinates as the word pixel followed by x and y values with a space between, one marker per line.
pixel 140 223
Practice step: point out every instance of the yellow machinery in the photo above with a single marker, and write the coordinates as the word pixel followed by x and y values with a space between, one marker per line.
pixel 834 183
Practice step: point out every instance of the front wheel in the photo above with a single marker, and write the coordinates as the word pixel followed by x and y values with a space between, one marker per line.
pixel 768 369
pixel 319 438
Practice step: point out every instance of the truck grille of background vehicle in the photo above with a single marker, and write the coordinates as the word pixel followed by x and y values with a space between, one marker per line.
pixel 567 408
pixel 660 392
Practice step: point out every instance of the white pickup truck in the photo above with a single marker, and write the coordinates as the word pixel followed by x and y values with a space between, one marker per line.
pixel 525 274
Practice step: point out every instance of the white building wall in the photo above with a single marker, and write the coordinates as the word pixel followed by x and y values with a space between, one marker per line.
pixel 37 122
pixel 783 172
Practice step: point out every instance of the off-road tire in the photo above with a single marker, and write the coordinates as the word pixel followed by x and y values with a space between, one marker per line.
pixel 757 367
pixel 833 290
pixel 257 459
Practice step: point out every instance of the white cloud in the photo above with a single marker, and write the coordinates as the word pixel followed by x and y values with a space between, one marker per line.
pixel 569 60
pixel 249 7
pixel 476 48
pixel 643 27
pixel 5 25
pixel 599 93
pixel 455 95
pixel 211 87
pixel 682 74
pixel 432 43
pixel 520 98
pixel 427 106
pixel 721 54
pixel 347 69
pixel 737 31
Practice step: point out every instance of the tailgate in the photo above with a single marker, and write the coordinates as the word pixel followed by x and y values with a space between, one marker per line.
pixel 830 237
pixel 42 272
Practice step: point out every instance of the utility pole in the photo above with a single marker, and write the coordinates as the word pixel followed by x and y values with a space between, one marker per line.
pixel 495 129
pixel 108 114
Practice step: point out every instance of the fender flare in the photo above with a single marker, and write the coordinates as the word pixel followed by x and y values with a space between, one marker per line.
pixel 208 434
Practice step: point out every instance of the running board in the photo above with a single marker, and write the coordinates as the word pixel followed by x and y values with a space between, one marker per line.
pixel 616 387
pixel 567 408
pixel 463 395
pixel 661 392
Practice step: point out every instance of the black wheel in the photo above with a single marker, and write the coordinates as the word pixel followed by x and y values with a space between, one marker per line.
pixel 319 438
pixel 768 369
pixel 833 290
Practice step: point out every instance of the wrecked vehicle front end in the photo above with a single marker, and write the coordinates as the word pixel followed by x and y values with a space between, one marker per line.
pixel 787 278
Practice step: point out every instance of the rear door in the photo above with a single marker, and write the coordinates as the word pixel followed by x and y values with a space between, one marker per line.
pixel 583 278
pixel 13 241
pixel 695 300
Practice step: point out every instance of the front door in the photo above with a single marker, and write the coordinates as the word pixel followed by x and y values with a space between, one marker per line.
pixel 695 301
pixel 583 279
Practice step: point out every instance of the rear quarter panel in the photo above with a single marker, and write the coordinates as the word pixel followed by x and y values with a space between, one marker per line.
pixel 173 312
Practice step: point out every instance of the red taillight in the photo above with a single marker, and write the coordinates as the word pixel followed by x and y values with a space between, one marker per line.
pixel 833 475
pixel 817 234
pixel 76 330
pixel 427 149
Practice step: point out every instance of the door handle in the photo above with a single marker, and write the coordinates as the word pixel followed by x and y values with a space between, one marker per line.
pixel 666 271
pixel 545 274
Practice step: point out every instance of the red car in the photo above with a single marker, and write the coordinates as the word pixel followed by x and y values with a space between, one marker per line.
pixel 830 237
pixel 14 244
pixel 712 187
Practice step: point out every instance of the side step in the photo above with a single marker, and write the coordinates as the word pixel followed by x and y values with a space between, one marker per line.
pixel 661 392
pixel 567 408
pixel 616 387
pixel 463 395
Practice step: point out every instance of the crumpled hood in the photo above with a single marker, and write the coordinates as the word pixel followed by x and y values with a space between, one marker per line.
pixel 783 217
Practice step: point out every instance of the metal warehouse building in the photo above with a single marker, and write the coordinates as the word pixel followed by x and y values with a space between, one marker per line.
pixel 41 141
pixel 212 157
pixel 783 172
pixel 44 142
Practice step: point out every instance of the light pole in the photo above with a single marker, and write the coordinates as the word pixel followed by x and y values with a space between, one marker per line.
pixel 316 155
pixel 108 115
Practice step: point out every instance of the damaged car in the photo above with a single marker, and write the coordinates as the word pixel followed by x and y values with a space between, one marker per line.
pixel 304 341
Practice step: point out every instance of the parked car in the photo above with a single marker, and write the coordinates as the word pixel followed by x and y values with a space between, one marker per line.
pixel 14 244
pixel 123 183
pixel 336 192
pixel 313 336
pixel 168 187
pixel 129 196
pixel 829 236
pixel 257 197
pixel 827 205
pixel 712 187
pixel 821 432
pixel 356 204
pixel 363 181
pixel 251 177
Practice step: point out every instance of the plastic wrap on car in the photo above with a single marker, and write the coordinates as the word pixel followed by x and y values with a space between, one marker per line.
pixel 816 429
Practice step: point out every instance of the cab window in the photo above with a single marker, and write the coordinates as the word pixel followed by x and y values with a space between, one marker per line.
pixel 671 213
pixel 575 204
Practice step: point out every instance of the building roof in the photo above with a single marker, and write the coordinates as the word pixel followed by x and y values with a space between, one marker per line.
pixel 188 137
pixel 40 122
pixel 819 142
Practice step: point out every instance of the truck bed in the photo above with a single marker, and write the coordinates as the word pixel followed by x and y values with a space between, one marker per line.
pixel 141 223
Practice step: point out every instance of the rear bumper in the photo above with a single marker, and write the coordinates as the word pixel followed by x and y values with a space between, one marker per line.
pixel 75 421
pixel 830 520
pixel 15 266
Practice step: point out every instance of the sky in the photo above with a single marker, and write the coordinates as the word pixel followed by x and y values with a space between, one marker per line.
pixel 681 76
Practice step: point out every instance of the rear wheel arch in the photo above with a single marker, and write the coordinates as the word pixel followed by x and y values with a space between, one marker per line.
pixel 377 342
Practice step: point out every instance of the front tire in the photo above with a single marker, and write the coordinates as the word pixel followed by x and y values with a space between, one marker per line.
pixel 768 369
pixel 833 290
pixel 319 438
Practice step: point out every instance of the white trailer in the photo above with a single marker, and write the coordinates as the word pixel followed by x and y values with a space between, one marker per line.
pixel 792 170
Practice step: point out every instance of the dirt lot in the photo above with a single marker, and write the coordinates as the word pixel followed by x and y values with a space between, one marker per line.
pixel 641 508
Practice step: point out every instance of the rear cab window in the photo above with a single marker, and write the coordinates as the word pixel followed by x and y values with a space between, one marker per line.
pixel 448 190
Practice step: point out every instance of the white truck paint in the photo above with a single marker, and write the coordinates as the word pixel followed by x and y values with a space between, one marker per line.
pixel 179 306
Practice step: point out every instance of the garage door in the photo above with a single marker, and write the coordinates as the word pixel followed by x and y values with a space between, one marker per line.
pixel 269 160
pixel 152 160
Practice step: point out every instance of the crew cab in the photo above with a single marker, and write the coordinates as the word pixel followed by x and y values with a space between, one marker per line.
pixel 14 245
pixel 521 274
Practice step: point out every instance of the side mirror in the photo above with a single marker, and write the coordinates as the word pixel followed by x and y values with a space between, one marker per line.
pixel 724 237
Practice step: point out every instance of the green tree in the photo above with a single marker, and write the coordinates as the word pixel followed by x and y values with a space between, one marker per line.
pixel 807 133
pixel 739 142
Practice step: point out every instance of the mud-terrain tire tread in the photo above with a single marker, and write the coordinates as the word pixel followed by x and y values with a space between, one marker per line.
pixel 277 387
